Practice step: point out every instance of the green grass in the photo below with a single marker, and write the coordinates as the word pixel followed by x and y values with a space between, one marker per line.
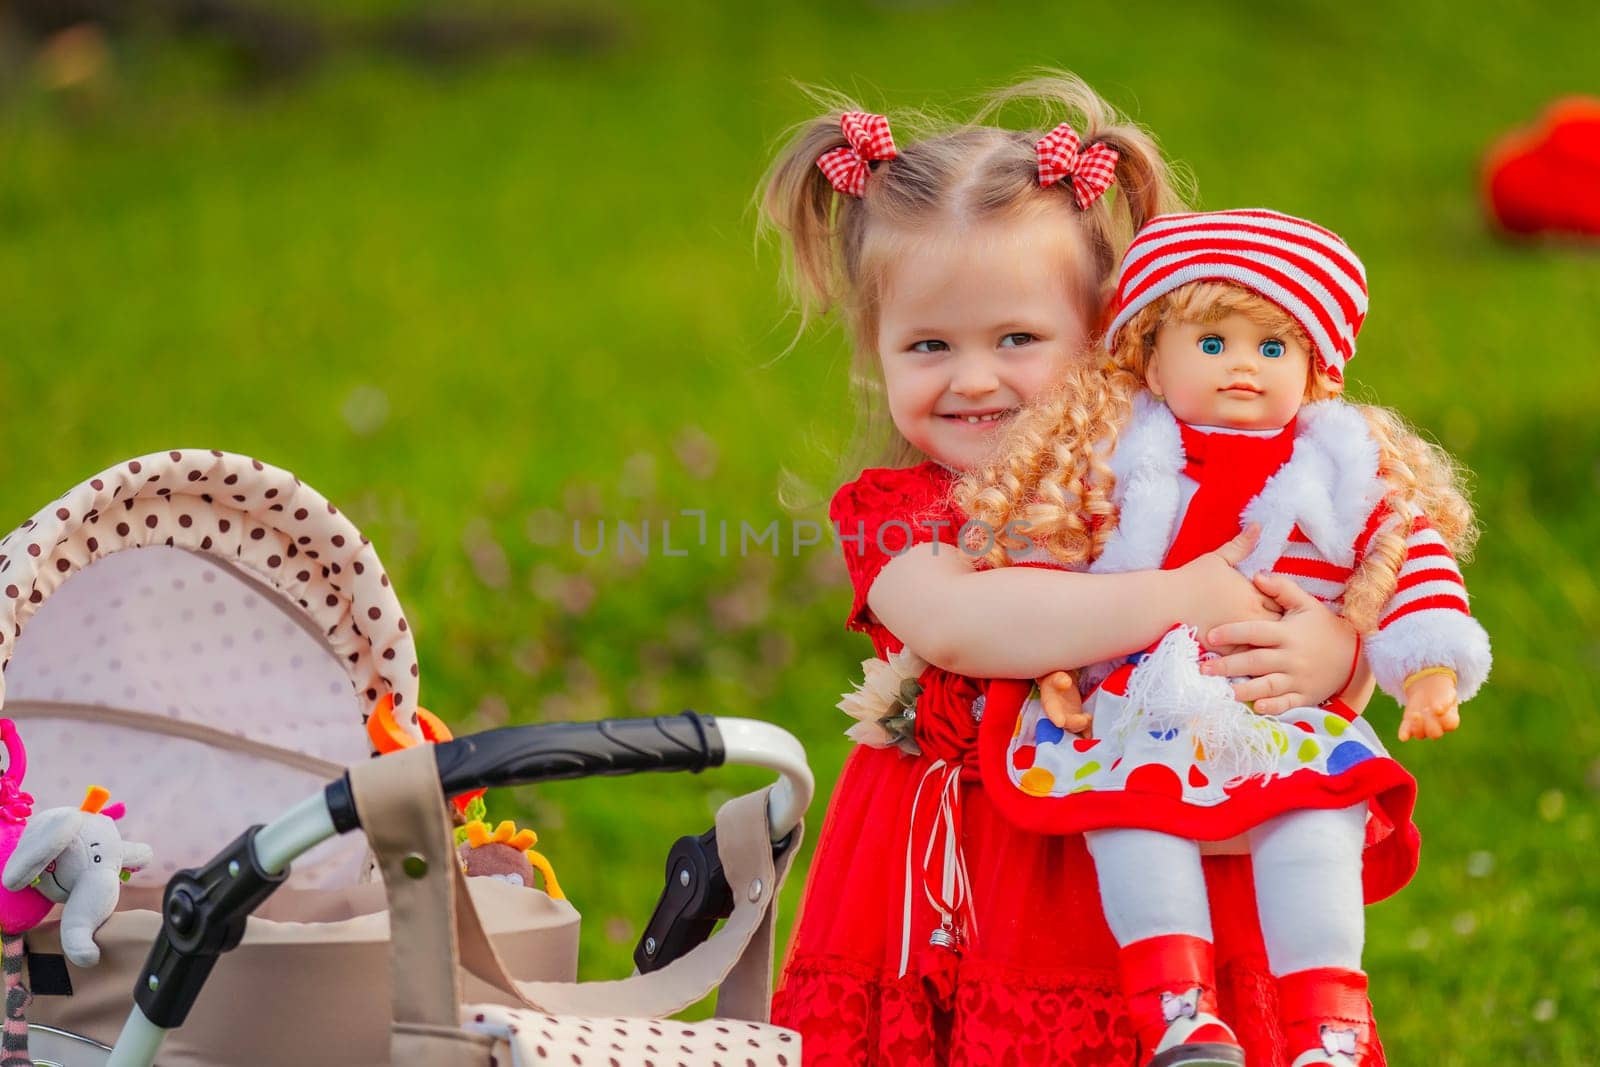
pixel 473 306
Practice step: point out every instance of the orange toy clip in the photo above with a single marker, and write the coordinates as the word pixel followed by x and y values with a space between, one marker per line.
pixel 387 736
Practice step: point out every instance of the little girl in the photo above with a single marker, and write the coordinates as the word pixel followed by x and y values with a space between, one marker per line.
pixel 972 267
pixel 1225 325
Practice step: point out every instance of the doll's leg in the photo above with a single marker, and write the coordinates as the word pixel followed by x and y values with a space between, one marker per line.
pixel 1150 884
pixel 1308 888
pixel 1154 894
pixel 1309 895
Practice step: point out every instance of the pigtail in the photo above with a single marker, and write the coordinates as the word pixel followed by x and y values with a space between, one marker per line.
pixel 1146 183
pixel 801 206
pixel 1145 187
pixel 822 231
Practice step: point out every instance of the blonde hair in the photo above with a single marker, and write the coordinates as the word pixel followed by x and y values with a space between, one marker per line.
pixel 1053 471
pixel 839 249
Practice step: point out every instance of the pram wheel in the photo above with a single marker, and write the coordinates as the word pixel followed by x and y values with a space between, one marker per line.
pixel 50 1047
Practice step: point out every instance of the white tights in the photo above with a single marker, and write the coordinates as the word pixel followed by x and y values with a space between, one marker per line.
pixel 1307 876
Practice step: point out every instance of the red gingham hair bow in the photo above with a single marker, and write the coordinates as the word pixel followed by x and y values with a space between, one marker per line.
pixel 1092 170
pixel 870 139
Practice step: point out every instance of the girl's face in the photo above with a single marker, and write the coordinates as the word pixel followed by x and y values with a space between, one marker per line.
pixel 973 324
pixel 1233 372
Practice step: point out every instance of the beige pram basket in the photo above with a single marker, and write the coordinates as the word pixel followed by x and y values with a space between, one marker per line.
pixel 212 680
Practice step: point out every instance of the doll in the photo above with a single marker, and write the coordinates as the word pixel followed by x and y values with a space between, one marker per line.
pixel 1219 409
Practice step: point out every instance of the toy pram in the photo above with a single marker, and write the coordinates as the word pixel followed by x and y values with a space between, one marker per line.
pixel 218 678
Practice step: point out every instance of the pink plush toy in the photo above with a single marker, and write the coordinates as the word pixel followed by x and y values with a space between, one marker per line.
pixel 22 910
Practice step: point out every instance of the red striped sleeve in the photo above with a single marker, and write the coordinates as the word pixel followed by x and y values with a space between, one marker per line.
pixel 1410 579
pixel 1429 578
pixel 1320 569
pixel 1428 603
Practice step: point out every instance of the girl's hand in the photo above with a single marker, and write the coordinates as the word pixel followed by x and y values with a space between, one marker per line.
pixel 1063 705
pixel 1432 709
pixel 1209 590
pixel 1297 661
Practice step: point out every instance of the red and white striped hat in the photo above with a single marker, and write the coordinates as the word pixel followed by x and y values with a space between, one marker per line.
pixel 1304 269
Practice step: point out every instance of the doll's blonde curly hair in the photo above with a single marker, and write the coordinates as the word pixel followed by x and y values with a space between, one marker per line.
pixel 1052 470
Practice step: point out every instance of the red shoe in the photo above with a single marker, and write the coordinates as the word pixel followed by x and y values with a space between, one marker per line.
pixel 1171 987
pixel 1325 1014
pixel 1546 179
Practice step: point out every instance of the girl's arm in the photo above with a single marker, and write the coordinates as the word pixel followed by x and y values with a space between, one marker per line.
pixel 1298 661
pixel 1022 622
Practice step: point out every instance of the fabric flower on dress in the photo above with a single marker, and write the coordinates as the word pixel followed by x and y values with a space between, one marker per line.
pixel 884 704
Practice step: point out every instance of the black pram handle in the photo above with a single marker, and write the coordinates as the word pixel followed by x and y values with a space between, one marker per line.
pixel 544 752
pixel 522 755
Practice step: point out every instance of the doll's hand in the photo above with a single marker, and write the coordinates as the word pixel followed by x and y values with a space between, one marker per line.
pixel 1208 590
pixel 1297 661
pixel 1432 709
pixel 1063 705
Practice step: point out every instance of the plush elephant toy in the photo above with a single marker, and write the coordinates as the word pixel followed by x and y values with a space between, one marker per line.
pixel 76 857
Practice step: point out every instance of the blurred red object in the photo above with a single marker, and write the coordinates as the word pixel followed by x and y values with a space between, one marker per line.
pixel 1546 179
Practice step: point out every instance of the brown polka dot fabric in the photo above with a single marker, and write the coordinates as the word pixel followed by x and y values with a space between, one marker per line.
pixel 247 609
pixel 527 1038
pixel 241 511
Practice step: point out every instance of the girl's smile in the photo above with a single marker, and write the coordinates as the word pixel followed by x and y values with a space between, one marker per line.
pixel 980 418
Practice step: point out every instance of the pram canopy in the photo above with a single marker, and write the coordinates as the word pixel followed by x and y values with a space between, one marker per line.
pixel 212 677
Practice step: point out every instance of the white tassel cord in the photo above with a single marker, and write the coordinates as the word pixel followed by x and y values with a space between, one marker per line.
pixel 1167 691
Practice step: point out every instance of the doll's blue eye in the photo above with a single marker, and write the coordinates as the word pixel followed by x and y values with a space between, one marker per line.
pixel 1272 349
pixel 1211 345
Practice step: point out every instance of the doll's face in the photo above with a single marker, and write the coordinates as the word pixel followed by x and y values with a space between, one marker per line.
pixel 1234 373
pixel 972 325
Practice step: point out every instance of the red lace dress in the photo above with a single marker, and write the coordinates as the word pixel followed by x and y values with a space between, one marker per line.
pixel 1005 998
